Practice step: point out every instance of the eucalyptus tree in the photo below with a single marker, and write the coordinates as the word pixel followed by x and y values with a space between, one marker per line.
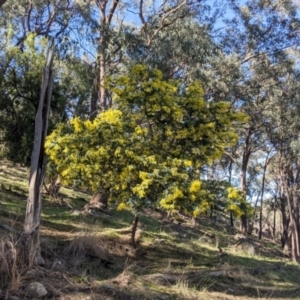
pixel 30 236
pixel 256 40
pixel 183 51
pixel 278 202
pixel 266 158
pixel 51 19
pixel 283 115
pixel 113 34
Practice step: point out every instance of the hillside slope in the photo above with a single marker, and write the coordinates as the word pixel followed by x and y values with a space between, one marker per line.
pixel 90 256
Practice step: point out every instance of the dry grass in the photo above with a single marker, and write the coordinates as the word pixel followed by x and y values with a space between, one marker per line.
pixel 12 266
pixel 89 257
pixel 85 246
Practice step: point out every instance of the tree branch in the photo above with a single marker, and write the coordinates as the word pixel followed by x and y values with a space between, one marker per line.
pixel 112 11
pixel 141 14
pixel 163 23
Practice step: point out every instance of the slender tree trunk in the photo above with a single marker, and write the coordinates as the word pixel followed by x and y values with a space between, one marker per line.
pixel 94 99
pixel 285 225
pixel 231 219
pixel 274 225
pixel 296 222
pixel 245 161
pixel 98 99
pixel 255 205
pixel 134 227
pixel 262 196
pixel 243 226
pixel 293 227
pixel 260 219
pixel 102 69
pixel 229 180
pixel 38 165
pixel 283 203
pixel 99 96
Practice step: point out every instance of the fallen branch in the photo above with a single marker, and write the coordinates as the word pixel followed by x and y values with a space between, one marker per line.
pixel 7 228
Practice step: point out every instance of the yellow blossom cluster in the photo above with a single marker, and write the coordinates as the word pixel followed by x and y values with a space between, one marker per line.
pixel 202 208
pixel 195 186
pixel 233 193
pixel 122 206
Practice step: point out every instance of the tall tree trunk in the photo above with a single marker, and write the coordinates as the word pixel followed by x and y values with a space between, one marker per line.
pixel 293 227
pixel 38 165
pixel 274 224
pixel 99 96
pixel 285 225
pixel 229 180
pixel 296 222
pixel 102 69
pixel 94 99
pixel 231 219
pixel 134 227
pixel 262 196
pixel 246 156
pixel 245 160
pixel 283 202
pixel 243 226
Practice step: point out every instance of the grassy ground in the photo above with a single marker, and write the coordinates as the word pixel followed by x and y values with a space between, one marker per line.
pixel 90 257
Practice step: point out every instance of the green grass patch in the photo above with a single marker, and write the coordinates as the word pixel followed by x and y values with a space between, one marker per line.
pixel 170 262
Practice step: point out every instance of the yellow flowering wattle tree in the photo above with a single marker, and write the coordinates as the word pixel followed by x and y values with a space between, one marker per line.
pixel 149 150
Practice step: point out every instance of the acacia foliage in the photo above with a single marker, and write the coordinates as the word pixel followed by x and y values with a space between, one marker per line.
pixel 150 148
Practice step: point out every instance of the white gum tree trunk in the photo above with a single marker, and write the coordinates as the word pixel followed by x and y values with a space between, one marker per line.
pixel 38 166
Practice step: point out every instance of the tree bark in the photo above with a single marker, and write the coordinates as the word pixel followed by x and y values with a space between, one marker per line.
pixel 262 196
pixel 274 224
pixel 293 226
pixel 243 226
pixel 285 236
pixel 99 96
pixel 134 227
pixel 285 219
pixel 38 166
pixel 296 223
pixel 102 67
pixel 94 98
pixel 245 160
pixel 229 180
pixel 246 156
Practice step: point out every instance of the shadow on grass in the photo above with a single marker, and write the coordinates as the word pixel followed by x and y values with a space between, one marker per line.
pixel 179 255
pixel 249 276
pixel 58 226
pixel 237 276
